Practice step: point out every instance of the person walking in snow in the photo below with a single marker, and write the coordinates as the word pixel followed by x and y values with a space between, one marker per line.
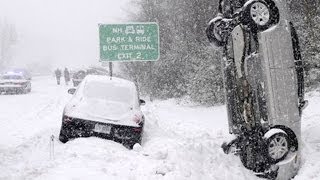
pixel 58 75
pixel 66 76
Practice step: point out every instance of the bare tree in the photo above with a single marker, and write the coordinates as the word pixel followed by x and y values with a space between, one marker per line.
pixel 8 37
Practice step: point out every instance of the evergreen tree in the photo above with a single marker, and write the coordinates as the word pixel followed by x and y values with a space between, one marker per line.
pixel 189 65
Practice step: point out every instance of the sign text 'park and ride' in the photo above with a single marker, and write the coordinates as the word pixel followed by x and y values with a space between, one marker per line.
pixel 129 42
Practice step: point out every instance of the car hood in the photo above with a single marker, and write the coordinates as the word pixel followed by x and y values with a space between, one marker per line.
pixel 102 111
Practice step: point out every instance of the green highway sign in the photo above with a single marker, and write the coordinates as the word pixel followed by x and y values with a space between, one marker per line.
pixel 129 42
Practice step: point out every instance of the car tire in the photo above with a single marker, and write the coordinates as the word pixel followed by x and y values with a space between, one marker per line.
pixel 260 14
pixel 29 90
pixel 130 143
pixel 278 146
pixel 212 33
pixel 22 91
pixel 63 138
pixel 25 91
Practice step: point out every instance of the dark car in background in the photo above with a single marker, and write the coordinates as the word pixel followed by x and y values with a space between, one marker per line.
pixel 16 83
pixel 79 75
pixel 104 107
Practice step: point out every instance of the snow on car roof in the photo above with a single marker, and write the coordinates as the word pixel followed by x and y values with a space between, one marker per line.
pixel 107 79
pixel 109 89
pixel 12 76
pixel 10 73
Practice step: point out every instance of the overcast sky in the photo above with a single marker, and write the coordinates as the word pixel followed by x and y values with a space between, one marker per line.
pixel 60 32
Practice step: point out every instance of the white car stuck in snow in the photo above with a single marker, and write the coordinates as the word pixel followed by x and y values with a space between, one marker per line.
pixel 104 107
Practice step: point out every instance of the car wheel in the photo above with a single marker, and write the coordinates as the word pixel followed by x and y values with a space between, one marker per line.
pixel 213 33
pixel 278 147
pixel 260 14
pixel 63 138
pixel 22 91
pixel 29 90
pixel 25 91
pixel 130 143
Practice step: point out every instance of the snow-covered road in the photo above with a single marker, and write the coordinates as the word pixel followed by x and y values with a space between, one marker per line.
pixel 23 116
pixel 180 142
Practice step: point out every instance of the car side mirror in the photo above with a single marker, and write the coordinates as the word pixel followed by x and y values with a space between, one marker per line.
pixel 72 90
pixel 142 102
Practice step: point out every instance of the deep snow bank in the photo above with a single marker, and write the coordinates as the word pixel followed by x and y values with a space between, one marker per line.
pixel 180 142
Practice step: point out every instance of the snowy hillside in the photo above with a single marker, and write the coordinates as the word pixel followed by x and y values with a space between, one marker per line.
pixel 180 142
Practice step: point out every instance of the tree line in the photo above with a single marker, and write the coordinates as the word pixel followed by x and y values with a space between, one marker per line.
pixel 8 37
pixel 189 67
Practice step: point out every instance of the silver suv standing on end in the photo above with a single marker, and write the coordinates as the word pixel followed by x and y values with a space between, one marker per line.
pixel 264 85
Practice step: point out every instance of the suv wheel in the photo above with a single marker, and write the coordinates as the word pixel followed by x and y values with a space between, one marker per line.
pixel 261 14
pixel 214 34
pixel 278 147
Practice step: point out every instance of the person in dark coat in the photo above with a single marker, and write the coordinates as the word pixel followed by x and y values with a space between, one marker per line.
pixel 58 75
pixel 66 76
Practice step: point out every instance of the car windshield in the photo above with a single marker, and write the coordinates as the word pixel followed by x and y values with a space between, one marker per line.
pixel 12 77
pixel 108 92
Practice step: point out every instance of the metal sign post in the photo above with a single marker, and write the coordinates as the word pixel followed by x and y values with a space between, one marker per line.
pixel 51 147
pixel 110 69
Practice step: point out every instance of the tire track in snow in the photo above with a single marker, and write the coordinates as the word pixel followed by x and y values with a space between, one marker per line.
pixel 43 120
